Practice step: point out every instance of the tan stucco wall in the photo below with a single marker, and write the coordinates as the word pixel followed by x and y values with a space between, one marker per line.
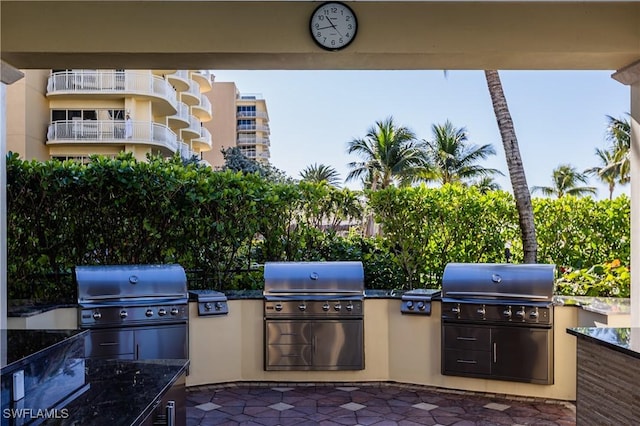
pixel 28 116
pixel 399 348
pixel 223 125
pixel 57 319
pixel 236 35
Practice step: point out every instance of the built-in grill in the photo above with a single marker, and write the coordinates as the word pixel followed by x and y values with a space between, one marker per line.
pixel 497 321
pixel 313 316
pixel 134 311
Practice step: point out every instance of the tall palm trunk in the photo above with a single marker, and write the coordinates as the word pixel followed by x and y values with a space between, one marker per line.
pixel 514 163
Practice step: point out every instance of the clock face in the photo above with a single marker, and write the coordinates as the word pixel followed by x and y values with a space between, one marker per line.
pixel 333 25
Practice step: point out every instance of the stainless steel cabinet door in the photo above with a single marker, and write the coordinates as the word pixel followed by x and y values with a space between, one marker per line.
pixel 523 354
pixel 338 345
pixel 165 342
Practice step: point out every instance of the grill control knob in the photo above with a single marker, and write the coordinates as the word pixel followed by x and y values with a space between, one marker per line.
pixel 302 307
pixel 350 307
pixel 409 304
pixel 162 312
pixel 123 314
pixel 456 309
pixel 278 307
pixel 325 307
pixel 421 306
pixel 534 314
pixel 149 313
pixel 482 311
pixel 520 314
pixel 218 306
pixel 507 313
pixel 174 311
pixel 97 315
pixel 337 306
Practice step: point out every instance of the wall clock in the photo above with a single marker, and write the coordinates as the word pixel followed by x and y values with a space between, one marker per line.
pixel 333 25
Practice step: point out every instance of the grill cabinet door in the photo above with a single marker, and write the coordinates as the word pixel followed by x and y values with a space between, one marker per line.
pixel 162 342
pixel 522 354
pixel 117 344
pixel 337 345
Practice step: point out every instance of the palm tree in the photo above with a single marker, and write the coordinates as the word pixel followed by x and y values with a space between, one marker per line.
pixel 565 182
pixel 619 134
pixel 486 184
pixel 318 173
pixel 608 170
pixel 452 158
pixel 390 154
pixel 514 163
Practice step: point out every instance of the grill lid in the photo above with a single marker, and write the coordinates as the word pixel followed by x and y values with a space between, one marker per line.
pixel 313 278
pixel 112 283
pixel 532 282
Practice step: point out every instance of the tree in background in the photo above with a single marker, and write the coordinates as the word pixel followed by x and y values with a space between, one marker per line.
pixel 236 161
pixel 514 163
pixel 486 184
pixel 318 173
pixel 607 171
pixel 566 180
pixel 390 154
pixel 619 134
pixel 452 158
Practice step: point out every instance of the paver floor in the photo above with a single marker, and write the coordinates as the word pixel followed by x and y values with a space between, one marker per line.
pixel 379 404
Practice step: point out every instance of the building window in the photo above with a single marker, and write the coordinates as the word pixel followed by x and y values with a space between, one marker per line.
pixel 86 114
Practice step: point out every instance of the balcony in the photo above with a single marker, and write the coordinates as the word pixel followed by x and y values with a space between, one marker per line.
pixel 191 96
pixel 203 110
pixel 253 140
pixel 251 114
pixel 253 128
pixel 204 78
pixel 72 132
pixel 180 120
pixel 114 84
pixel 179 80
pixel 204 141
pixel 194 130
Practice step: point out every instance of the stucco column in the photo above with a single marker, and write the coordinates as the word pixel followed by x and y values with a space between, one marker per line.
pixel 8 75
pixel 630 76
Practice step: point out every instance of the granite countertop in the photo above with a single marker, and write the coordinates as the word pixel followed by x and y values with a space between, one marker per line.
pixel 23 346
pixel 600 305
pixel 121 392
pixel 624 339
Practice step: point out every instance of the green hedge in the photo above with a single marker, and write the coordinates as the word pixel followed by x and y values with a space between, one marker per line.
pixel 222 225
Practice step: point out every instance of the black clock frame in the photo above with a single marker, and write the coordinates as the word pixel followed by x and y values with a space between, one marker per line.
pixel 355 33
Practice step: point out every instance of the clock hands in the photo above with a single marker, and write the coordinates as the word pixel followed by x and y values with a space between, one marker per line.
pixel 334 27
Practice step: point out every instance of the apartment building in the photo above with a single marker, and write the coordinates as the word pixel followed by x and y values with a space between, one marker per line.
pixel 240 120
pixel 71 114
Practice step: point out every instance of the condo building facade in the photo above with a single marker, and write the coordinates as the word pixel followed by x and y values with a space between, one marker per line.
pixel 74 113
pixel 240 120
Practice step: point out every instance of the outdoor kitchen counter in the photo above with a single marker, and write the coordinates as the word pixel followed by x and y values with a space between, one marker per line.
pixel 608 373
pixel 122 392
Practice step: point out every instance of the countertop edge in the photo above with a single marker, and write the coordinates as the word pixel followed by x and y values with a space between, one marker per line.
pixel 581 333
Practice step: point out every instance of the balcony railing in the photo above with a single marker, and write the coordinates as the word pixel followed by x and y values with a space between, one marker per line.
pixel 256 114
pixel 130 82
pixel 102 131
pixel 252 128
pixel 253 140
pixel 186 152
pixel 183 112
pixel 205 137
pixel 191 96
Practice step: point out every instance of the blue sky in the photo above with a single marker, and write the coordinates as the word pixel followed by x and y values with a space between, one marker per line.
pixel 559 116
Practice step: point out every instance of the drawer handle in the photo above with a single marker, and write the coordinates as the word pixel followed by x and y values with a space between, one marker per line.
pixel 467 339
pixel 464 361
pixel 109 344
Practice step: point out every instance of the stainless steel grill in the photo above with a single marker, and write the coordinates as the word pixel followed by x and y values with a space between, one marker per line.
pixel 134 311
pixel 313 314
pixel 497 321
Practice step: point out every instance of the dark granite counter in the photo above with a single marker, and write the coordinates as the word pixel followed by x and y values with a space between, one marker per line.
pixel 625 340
pixel 121 392
pixel 23 346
